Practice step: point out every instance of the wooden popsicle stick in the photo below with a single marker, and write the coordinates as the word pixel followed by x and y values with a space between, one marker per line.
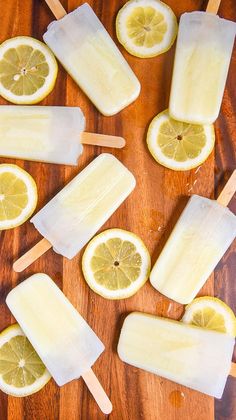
pixel 97 391
pixel 233 370
pixel 57 9
pixel 32 255
pixel 102 140
pixel 228 190
pixel 213 6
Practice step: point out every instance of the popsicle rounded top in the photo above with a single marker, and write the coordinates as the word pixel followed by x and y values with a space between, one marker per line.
pixel 88 53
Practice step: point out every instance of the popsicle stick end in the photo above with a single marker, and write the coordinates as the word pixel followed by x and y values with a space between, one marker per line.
pixel 32 255
pixel 17 267
pixel 121 143
pixel 108 408
pixel 97 391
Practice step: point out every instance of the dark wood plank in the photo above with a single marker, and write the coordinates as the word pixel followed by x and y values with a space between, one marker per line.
pixel 225 162
pixel 135 394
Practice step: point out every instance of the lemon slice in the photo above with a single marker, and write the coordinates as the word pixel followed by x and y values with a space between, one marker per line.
pixel 18 196
pixel 28 70
pixel 116 264
pixel 146 28
pixel 177 145
pixel 22 372
pixel 211 313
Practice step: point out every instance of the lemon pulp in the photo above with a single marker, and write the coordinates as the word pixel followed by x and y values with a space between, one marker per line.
pixel 210 319
pixel 19 363
pixel 116 264
pixel 180 140
pixel 22 372
pixel 146 26
pixel 23 70
pixel 211 313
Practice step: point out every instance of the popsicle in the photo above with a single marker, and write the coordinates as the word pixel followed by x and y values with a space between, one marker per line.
pixel 75 214
pixel 202 59
pixel 86 50
pixel 198 241
pixel 47 134
pixel 62 338
pixel 191 356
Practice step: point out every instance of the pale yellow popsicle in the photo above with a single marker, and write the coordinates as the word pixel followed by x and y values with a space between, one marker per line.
pixel 41 133
pixel 202 58
pixel 88 53
pixel 198 241
pixel 75 214
pixel 195 357
pixel 59 334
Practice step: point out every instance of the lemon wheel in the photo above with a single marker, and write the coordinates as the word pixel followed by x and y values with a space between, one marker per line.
pixel 18 196
pixel 177 145
pixel 22 372
pixel 28 70
pixel 116 263
pixel 146 28
pixel 211 313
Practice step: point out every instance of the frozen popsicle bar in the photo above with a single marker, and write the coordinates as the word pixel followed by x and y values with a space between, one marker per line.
pixel 75 214
pixel 47 134
pixel 59 334
pixel 191 356
pixel 202 58
pixel 41 133
pixel 198 241
pixel 63 339
pixel 86 50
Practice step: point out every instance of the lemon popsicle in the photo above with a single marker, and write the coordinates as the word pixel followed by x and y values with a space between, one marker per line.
pixel 59 334
pixel 41 133
pixel 51 134
pixel 202 58
pixel 63 339
pixel 76 213
pixel 198 241
pixel 86 50
pixel 191 356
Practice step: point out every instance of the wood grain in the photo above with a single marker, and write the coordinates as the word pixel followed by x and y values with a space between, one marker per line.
pixel 151 212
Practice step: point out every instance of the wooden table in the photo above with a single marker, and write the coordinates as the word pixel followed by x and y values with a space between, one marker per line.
pixel 151 212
